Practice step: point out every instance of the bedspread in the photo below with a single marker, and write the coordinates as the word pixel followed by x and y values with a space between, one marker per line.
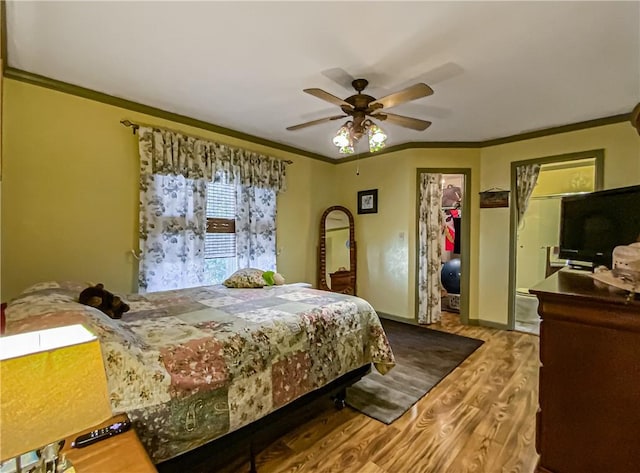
pixel 190 365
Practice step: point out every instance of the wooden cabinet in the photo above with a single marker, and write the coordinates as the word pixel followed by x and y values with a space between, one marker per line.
pixel 341 282
pixel 589 388
pixel 120 453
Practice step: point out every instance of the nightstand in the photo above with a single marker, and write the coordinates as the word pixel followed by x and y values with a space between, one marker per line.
pixel 123 452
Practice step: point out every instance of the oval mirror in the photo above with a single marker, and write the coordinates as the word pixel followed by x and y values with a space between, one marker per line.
pixel 337 252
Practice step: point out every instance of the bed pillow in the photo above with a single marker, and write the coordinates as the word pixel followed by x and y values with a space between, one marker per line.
pixel 248 277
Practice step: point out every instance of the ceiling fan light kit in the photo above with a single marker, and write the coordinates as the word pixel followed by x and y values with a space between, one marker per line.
pixel 348 134
pixel 361 106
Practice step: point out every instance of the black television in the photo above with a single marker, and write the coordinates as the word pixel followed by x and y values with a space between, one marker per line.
pixel 593 224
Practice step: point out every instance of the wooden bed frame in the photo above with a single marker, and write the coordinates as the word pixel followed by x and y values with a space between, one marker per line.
pixel 259 434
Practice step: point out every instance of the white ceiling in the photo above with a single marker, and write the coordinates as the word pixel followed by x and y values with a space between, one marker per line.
pixel 497 68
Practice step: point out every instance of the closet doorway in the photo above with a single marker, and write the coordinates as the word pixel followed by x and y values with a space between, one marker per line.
pixel 535 234
pixel 454 264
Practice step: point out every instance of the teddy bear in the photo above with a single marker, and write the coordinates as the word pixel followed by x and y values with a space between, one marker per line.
pixel 97 296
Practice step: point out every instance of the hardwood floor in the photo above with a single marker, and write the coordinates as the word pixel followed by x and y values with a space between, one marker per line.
pixel 480 419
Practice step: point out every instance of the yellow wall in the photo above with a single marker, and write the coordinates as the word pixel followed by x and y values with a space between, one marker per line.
pixel 386 240
pixel 566 180
pixel 621 168
pixel 70 199
pixel 1 108
pixel 337 250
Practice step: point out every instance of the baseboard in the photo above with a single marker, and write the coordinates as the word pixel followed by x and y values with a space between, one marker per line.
pixel 483 323
pixel 396 318
pixel 488 323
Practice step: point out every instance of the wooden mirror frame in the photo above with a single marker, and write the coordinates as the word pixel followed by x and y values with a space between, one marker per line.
pixel 322 253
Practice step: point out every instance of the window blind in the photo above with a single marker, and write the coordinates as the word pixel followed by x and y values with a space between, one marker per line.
pixel 220 240
pixel 221 200
pixel 220 245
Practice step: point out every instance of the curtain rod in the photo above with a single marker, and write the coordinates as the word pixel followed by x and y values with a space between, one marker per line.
pixel 127 123
pixel 135 126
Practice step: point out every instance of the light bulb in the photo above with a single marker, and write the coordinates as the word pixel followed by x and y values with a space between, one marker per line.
pixel 340 141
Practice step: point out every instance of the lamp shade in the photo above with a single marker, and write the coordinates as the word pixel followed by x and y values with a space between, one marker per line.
pixel 343 137
pixel 377 138
pixel 52 385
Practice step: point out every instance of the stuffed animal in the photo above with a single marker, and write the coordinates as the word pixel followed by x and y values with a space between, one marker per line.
pixel 278 279
pixel 272 278
pixel 97 296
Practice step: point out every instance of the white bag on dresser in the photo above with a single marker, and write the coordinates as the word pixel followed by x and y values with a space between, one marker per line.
pixel 626 262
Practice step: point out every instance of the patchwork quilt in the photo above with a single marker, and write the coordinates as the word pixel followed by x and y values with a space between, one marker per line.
pixel 190 365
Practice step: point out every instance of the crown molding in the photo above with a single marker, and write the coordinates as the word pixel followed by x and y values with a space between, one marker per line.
pixel 414 145
pixel 623 117
pixel 635 117
pixel 3 34
pixel 65 87
pixel 498 141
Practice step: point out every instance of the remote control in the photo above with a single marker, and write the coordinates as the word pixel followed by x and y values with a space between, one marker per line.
pixel 101 434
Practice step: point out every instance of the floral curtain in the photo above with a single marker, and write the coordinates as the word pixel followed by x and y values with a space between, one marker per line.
pixel 174 171
pixel 255 228
pixel 172 232
pixel 167 152
pixel 430 225
pixel 526 179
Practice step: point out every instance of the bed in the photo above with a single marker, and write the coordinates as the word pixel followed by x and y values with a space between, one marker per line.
pixel 192 365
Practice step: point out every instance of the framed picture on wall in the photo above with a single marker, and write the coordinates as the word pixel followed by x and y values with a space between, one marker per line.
pixel 368 201
pixel 494 198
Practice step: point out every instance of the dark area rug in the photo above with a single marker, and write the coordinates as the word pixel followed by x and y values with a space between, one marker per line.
pixel 423 358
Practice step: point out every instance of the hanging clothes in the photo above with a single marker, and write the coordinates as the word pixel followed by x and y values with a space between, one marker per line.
pixel 449 234
pixel 450 230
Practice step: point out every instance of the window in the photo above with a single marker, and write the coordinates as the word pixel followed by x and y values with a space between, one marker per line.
pixel 220 241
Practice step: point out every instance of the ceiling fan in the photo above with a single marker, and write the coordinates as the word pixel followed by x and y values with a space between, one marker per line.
pixel 360 106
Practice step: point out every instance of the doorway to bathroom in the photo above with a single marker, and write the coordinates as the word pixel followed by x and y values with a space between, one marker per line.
pixel 535 225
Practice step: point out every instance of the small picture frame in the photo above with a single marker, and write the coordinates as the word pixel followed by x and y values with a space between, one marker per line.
pixel 494 199
pixel 368 201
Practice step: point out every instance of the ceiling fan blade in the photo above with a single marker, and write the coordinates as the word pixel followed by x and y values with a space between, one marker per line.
pixel 326 96
pixel 314 122
pixel 407 122
pixel 416 91
pixel 339 76
pixel 444 72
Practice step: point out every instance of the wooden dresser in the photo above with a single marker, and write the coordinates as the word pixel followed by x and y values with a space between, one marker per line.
pixel 341 282
pixel 589 392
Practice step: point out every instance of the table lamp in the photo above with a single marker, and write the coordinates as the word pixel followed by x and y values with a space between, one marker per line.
pixel 52 385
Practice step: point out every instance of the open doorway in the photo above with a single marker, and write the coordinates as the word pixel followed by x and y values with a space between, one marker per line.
pixel 535 237
pixel 451 269
pixel 454 264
